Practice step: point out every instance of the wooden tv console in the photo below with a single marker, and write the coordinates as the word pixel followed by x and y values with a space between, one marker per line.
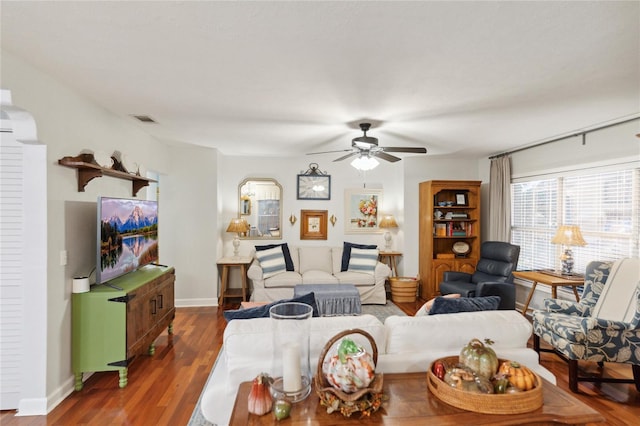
pixel 110 326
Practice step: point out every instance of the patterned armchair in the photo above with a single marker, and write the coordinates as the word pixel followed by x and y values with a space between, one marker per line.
pixel 603 327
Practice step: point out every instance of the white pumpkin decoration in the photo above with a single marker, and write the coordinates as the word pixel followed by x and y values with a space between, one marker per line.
pixel 349 368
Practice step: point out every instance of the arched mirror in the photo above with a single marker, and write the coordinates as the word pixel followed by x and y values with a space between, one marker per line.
pixel 260 205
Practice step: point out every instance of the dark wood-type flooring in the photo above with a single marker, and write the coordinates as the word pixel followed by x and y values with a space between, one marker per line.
pixel 163 389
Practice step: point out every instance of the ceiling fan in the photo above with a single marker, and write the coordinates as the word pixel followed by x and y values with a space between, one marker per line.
pixel 367 147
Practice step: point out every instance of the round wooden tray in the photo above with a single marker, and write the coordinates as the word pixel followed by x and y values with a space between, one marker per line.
pixel 513 403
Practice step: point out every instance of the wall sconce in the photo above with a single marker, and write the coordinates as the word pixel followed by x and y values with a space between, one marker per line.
pixel 292 219
pixel 333 220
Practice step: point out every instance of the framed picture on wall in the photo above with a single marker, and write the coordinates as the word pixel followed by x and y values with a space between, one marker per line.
pixel 314 187
pixel 361 210
pixel 313 224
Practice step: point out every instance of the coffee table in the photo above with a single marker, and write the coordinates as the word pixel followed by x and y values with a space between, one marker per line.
pixel 332 299
pixel 411 403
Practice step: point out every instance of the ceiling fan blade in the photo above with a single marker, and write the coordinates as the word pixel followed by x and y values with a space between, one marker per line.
pixel 328 152
pixel 404 149
pixel 388 157
pixel 346 156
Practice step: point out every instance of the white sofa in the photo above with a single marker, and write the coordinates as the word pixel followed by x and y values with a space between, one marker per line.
pixel 317 265
pixel 405 344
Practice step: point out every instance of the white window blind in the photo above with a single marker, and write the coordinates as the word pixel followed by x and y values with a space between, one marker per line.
pixel 606 206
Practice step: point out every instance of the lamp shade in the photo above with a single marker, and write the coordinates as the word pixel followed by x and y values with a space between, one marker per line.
pixel 388 221
pixel 569 235
pixel 365 163
pixel 237 225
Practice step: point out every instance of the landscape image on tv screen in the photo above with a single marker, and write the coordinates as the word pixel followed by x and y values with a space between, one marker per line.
pixel 127 236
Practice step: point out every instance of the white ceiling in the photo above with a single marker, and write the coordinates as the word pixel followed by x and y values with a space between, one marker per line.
pixel 287 78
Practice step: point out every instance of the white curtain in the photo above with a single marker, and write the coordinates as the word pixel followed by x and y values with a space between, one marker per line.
pixel 500 199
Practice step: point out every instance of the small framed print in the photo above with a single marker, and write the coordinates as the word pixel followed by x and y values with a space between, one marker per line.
pixel 461 199
pixel 313 224
pixel 314 187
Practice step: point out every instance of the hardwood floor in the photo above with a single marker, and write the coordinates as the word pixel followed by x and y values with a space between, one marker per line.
pixel 163 389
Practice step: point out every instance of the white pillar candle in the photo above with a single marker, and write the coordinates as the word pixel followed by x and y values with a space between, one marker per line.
pixel 291 374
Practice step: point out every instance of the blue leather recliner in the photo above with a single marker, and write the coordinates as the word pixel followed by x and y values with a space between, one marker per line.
pixel 493 275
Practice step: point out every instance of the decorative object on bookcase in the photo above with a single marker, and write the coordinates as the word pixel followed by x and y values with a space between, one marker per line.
pixel 449 213
pixel 568 235
pixel 461 248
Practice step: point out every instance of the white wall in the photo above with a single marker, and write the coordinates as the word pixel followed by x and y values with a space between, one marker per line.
pixel 386 176
pixel 188 223
pixel 67 124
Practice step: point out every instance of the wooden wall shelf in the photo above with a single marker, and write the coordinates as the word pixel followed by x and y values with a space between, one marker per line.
pixel 88 169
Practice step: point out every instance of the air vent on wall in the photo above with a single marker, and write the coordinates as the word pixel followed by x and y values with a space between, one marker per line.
pixel 144 118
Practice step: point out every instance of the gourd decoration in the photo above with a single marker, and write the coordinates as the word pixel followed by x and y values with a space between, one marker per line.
pixel 518 375
pixel 260 400
pixel 480 358
pixel 464 379
pixel 349 368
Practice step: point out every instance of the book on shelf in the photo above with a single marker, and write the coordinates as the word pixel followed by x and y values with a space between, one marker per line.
pixel 453 229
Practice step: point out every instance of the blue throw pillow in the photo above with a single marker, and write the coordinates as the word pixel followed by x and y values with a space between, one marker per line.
pixel 285 251
pixel 446 305
pixel 263 311
pixel 346 253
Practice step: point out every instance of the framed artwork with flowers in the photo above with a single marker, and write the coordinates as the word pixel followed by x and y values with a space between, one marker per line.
pixel 361 210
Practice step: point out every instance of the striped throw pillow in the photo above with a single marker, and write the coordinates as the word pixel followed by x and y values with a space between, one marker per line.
pixel 363 260
pixel 271 261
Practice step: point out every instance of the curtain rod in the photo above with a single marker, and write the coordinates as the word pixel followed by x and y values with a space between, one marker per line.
pixel 572 135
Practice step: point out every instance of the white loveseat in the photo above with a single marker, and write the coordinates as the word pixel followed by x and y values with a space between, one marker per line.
pixel 317 265
pixel 405 344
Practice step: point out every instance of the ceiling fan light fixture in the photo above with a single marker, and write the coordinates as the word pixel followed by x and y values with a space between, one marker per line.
pixel 364 163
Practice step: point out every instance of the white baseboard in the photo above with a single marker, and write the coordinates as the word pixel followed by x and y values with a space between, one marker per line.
pixel 194 303
pixel 32 407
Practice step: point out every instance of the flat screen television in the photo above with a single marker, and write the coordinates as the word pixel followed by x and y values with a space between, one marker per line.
pixel 127 236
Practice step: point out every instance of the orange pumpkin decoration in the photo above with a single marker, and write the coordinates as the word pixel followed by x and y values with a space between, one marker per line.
pixel 518 375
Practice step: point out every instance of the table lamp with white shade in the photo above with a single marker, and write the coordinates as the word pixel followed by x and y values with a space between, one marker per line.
pixel 568 236
pixel 387 222
pixel 238 226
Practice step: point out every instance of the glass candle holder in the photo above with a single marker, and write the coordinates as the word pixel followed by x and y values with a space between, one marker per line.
pixel 290 363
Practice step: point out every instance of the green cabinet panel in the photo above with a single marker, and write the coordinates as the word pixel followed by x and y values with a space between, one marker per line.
pixel 110 326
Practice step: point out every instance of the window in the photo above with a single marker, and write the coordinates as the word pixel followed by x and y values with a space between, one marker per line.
pixel 606 206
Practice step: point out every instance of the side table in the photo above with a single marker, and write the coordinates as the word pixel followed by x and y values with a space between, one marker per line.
pixel 539 277
pixel 389 257
pixel 226 263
